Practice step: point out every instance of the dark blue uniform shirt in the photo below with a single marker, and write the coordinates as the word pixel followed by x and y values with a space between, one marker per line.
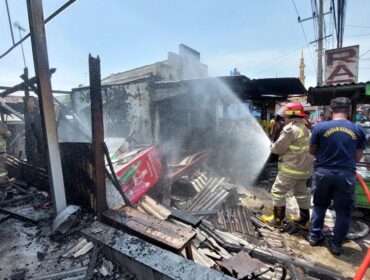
pixel 337 142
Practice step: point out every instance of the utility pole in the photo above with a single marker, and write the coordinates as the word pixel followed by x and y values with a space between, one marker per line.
pixel 42 73
pixel 320 40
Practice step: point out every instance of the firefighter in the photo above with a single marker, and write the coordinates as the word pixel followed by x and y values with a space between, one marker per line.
pixel 295 165
pixel 4 133
pixel 338 144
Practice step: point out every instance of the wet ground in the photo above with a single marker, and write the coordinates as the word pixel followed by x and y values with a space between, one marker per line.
pixel 28 252
pixel 347 264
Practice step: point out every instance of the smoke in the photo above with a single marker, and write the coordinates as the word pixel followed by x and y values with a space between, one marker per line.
pixel 203 114
pixel 211 116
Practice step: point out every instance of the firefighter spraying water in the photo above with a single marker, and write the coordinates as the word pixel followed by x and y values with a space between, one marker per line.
pixel 295 164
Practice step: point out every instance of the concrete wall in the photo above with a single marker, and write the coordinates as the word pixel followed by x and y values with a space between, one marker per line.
pixel 127 96
pixel 126 109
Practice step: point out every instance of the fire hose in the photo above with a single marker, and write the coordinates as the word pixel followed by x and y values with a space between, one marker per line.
pixel 366 261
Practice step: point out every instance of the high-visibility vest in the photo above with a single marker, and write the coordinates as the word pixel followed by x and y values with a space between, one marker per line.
pixel 301 146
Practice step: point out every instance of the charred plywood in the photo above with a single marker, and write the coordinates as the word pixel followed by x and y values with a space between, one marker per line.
pixel 77 163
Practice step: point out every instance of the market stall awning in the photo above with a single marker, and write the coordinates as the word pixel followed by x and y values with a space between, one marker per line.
pixel 242 86
pixel 318 96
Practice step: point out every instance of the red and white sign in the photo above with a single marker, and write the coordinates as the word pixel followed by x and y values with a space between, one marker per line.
pixel 341 65
pixel 140 174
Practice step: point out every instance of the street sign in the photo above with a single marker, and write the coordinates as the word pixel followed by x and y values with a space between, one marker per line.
pixel 341 65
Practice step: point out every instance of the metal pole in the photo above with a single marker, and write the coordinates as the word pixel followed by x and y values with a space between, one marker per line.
pixel 41 62
pixel 97 130
pixel 320 44
pixel 10 21
pixel 20 37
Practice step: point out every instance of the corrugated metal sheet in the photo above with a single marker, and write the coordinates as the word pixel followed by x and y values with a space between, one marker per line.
pixel 199 182
pixel 113 143
pixel 322 95
pixel 236 219
pixel 212 196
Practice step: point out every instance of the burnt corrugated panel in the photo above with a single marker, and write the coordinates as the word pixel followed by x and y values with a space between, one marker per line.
pixel 212 196
pixel 113 143
pixel 236 219
pixel 199 182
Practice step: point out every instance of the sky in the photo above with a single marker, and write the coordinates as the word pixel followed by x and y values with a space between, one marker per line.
pixel 262 38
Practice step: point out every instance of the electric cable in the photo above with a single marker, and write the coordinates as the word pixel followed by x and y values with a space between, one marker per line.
pixel 305 37
pixel 357 26
pixel 335 19
pixel 364 53
pixel 358 35
pixel 275 58
pixel 58 11
pixel 272 66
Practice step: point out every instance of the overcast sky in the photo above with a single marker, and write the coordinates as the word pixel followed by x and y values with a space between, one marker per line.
pixel 262 38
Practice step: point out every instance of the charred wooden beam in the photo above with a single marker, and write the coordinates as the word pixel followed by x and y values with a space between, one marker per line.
pixel 23 85
pixel 97 128
pixel 41 62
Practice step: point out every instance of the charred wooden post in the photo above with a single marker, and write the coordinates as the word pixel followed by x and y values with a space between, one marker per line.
pixel 97 128
pixel 27 126
pixel 41 62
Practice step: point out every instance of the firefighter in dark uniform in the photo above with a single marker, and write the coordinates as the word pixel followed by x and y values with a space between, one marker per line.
pixel 337 145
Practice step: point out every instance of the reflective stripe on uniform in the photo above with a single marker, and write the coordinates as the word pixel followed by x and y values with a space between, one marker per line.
pixel 298 147
pixel 292 171
pixel 2 145
pixel 277 195
pixel 3 174
pixel 303 196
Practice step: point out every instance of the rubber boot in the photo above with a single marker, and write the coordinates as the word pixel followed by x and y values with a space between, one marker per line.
pixel 276 219
pixel 304 219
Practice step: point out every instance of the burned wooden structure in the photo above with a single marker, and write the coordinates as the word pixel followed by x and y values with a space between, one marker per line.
pixel 165 105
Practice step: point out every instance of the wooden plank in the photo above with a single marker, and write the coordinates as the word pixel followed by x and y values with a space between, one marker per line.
pixel 144 260
pixel 163 232
pixel 161 209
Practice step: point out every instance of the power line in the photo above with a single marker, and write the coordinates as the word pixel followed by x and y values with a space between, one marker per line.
pixel 364 53
pixel 68 3
pixel 305 37
pixel 276 58
pixel 357 26
pixel 358 35
pixel 331 30
pixel 10 21
pixel 272 66
pixel 314 16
